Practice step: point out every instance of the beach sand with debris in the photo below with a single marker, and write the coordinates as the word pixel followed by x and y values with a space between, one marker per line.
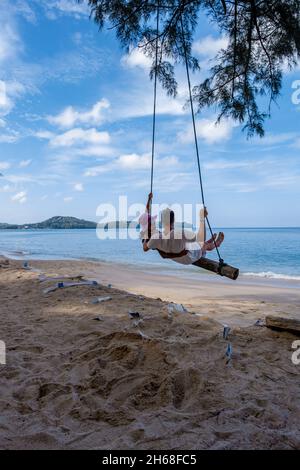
pixel 83 373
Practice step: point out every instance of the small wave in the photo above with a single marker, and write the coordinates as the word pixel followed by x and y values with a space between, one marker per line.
pixel 271 275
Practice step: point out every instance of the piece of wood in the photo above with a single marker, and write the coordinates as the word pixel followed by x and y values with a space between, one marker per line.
pixel 283 323
pixel 43 278
pixel 226 270
pixel 64 285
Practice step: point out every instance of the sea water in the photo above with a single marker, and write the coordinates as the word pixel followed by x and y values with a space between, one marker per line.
pixel 269 253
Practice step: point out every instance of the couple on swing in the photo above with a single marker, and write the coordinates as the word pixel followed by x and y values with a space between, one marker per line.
pixel 180 246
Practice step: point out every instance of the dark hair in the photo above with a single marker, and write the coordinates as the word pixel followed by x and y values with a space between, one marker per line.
pixel 172 218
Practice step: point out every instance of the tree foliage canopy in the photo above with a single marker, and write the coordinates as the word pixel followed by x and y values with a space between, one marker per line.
pixel 263 40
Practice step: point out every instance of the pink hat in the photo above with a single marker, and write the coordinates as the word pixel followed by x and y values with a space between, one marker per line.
pixel 144 220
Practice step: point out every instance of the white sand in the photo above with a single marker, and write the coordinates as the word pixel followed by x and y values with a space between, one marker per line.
pixel 75 382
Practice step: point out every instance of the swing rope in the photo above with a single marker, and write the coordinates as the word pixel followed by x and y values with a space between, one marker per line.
pixel 154 118
pixel 154 98
pixel 221 261
pixel 195 135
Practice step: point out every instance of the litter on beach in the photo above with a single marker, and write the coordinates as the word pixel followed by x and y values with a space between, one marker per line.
pixel 228 353
pixel 176 308
pixel 226 331
pixel 134 314
pixel 98 318
pixel 259 323
pixel 99 300
pixel 64 285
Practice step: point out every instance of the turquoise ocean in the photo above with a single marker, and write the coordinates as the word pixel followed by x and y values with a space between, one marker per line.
pixel 260 253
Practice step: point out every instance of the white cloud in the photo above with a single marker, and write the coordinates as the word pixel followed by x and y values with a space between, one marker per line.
pixel 47 135
pixel 70 116
pixel 209 131
pixel 168 182
pixel 94 151
pixel 243 187
pixel 5 101
pixel 207 49
pixel 20 197
pixel 132 161
pixel 69 7
pixel 276 139
pixel 143 162
pixel 78 187
pixel 297 144
pixel 23 8
pixel 4 166
pixel 136 58
pixel 24 163
pixel 24 77
pixel 17 179
pixel 9 39
pixel 283 180
pixel 9 138
pixel 68 199
pixel 96 170
pixel 210 46
pixel 77 38
pixel 139 102
pixel 225 165
pixel 6 188
pixel 79 136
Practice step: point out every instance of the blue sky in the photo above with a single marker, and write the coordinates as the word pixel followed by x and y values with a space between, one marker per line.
pixel 75 128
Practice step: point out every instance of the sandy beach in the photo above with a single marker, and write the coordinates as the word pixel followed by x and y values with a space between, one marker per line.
pixel 84 375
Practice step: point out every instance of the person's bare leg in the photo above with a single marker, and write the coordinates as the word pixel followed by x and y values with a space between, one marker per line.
pixel 201 235
pixel 211 245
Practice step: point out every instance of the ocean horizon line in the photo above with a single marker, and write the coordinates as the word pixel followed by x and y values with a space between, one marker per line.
pixel 256 227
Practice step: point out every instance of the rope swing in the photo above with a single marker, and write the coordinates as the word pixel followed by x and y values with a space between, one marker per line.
pixel 219 267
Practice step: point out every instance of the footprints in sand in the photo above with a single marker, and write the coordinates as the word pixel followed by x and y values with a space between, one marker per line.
pixel 186 386
pixel 54 390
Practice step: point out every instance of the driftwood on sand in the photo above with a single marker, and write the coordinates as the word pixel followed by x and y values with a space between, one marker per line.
pixel 283 323
pixel 63 285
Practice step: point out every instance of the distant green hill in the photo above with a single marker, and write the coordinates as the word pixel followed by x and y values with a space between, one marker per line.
pixel 57 222
pixel 5 226
pixel 60 222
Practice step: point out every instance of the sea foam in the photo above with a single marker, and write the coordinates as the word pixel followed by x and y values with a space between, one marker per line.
pixel 271 275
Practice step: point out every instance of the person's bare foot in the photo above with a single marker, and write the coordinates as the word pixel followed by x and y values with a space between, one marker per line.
pixel 220 239
pixel 211 245
pixel 211 240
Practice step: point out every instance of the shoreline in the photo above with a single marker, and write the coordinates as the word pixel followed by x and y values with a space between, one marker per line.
pixel 267 278
pixel 240 302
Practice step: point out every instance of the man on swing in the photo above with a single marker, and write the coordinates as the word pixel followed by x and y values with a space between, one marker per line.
pixel 180 246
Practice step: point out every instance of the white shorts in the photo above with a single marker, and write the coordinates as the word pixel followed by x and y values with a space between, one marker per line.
pixel 194 254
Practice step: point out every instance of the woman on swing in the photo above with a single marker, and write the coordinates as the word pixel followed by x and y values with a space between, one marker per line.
pixel 180 246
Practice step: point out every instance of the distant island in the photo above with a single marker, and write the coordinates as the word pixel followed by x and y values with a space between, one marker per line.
pixel 61 222
pixel 58 222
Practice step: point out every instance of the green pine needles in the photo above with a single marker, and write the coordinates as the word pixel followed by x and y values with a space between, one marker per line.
pixel 246 78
